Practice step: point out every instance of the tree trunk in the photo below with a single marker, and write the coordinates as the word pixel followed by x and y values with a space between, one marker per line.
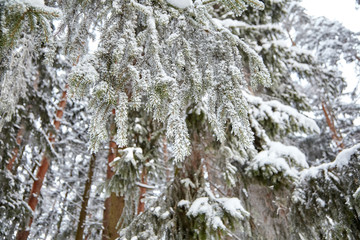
pixel 114 205
pixel 20 133
pixel 357 57
pixel 35 191
pixel 40 176
pixel 291 39
pixel 64 208
pixel 19 138
pixel 338 139
pixel 85 199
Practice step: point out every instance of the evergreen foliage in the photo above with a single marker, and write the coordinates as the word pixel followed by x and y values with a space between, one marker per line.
pixel 207 120
pixel 25 29
pixel 336 215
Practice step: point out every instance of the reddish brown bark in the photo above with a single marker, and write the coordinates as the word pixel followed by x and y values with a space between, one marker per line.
pixel 331 123
pixel 113 151
pixel 33 199
pixel 61 107
pixel 19 138
pixel 44 165
pixel 85 200
pixel 20 133
pixel 35 191
pixel 290 37
pixel 114 205
pixel 357 57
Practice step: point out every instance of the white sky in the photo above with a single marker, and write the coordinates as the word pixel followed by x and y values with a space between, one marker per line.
pixel 341 10
pixel 345 12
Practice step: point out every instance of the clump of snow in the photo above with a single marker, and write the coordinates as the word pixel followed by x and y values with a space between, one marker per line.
pixel 165 215
pixel 274 164
pixel 279 158
pixel 292 152
pixel 187 183
pixel 180 3
pixel 156 211
pixel 215 208
pixel 344 156
pixel 217 223
pixel 200 206
pixel 183 203
pixel 129 154
pixel 233 207
pixel 320 202
pixel 212 215
pixel 34 3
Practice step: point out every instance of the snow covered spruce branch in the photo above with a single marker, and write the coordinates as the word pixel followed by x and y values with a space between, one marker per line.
pixel 167 69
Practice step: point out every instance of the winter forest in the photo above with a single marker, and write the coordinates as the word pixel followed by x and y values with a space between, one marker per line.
pixel 177 120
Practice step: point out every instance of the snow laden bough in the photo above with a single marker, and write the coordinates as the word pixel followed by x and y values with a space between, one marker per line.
pixel 276 163
pixel 208 217
pixel 326 198
pixel 164 59
pixel 25 34
pixel 237 6
pixel 279 164
pixel 211 212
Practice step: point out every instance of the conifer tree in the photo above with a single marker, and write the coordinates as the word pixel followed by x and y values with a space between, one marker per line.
pixel 332 43
pixel 292 60
pixel 196 111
